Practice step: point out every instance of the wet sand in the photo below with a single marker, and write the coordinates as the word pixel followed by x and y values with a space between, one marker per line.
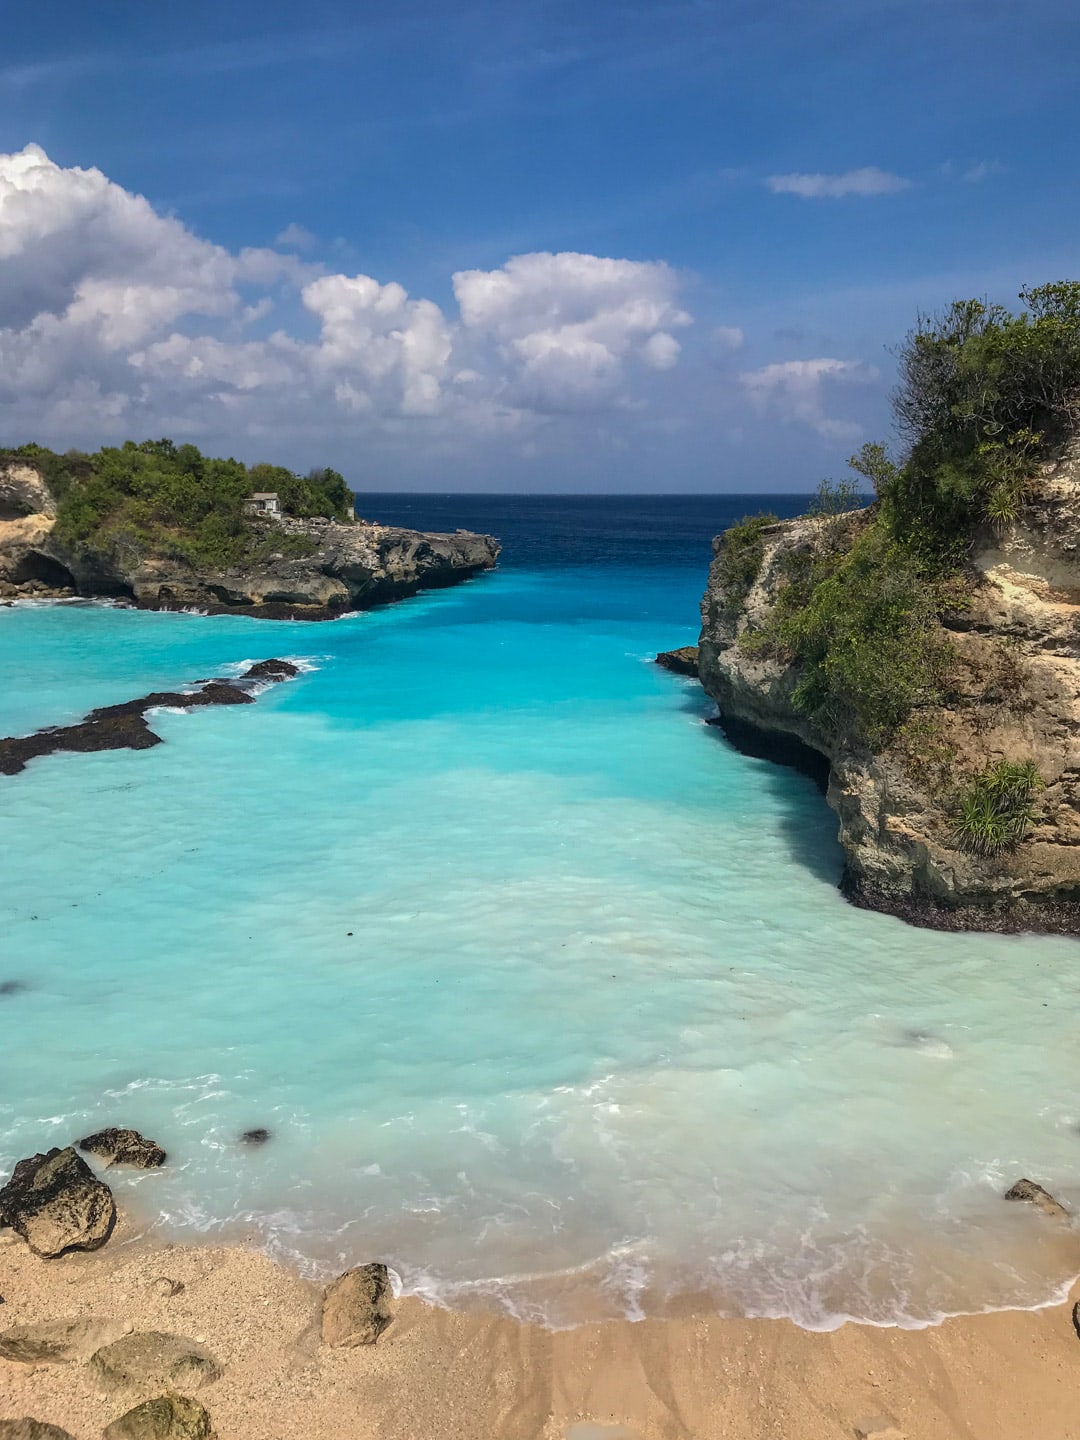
pixel 441 1375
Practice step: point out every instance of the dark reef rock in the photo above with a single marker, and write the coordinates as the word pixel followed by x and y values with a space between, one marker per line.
pixel 8 988
pixel 167 1417
pixel 124 1147
pixel 255 1137
pixel 356 1310
pixel 57 1203
pixel 683 661
pixel 1042 1199
pixel 124 726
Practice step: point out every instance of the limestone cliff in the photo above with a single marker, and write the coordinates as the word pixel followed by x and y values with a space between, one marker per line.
pixel 1014 694
pixel 341 567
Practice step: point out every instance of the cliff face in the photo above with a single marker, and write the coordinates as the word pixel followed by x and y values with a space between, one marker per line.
pixel 347 567
pixel 1014 695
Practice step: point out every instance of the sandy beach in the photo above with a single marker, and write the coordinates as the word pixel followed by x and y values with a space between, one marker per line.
pixel 439 1375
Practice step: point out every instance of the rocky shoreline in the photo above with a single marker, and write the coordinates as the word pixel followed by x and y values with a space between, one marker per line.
pixel 310 569
pixel 125 727
pixel 1014 695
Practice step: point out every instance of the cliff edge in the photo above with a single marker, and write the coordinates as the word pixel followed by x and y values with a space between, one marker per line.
pixel 1011 693
pixel 303 569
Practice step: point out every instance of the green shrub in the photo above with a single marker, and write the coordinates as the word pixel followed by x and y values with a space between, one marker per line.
pixel 996 810
pixel 835 497
pixel 740 556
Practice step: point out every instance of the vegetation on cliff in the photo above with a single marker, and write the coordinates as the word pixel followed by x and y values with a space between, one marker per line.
pixel 158 498
pixel 984 397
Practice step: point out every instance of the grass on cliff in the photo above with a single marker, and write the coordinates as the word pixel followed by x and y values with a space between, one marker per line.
pixel 156 498
pixel 996 810
pixel 985 396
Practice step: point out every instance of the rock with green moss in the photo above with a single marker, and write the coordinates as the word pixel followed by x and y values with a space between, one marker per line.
pixel 166 1417
pixel 151 1359
pixel 27 1429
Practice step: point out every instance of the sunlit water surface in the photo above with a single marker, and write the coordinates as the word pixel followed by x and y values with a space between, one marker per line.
pixel 547 996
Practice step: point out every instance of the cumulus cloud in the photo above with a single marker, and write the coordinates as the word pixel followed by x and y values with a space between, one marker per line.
pixel 565 326
pixel 116 318
pixel 296 237
pixel 867 181
pixel 798 391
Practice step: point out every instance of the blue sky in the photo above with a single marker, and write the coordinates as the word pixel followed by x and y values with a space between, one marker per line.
pixel 783 186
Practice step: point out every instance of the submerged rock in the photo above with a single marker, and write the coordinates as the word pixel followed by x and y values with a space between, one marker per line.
pixel 167 1417
pixel 1035 1195
pixel 54 1342
pixel 12 987
pixel 57 1203
pixel 152 1359
pixel 124 1147
pixel 255 1137
pixel 356 1310
pixel 27 1429
pixel 683 661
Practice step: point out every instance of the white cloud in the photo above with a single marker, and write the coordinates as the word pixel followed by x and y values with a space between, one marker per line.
pixel 117 319
pixel 296 237
pixel 797 391
pixel 565 325
pixel 867 181
pixel 726 338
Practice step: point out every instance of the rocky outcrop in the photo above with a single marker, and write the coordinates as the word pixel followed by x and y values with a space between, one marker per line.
pixel 341 567
pixel 57 1203
pixel 356 1309
pixel 154 1360
pixel 1034 1194
pixel 1015 696
pixel 683 661
pixel 27 1429
pixel 166 1417
pixel 124 727
pixel 124 1147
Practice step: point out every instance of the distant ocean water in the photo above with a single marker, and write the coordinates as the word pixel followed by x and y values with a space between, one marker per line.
pixel 546 994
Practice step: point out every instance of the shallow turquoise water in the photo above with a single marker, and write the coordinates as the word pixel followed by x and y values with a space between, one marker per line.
pixel 547 996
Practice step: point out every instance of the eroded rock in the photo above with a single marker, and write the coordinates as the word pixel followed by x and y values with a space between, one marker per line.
pixel 57 1203
pixel 1035 1195
pixel 54 1342
pixel 152 1359
pixel 124 1147
pixel 683 661
pixel 255 1137
pixel 27 1429
pixel 166 1417
pixel 356 1309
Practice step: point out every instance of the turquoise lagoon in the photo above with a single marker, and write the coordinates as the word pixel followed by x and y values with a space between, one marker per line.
pixel 546 994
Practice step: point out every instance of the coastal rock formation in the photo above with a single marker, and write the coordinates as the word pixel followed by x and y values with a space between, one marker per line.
pixel 153 1360
pixel 52 1342
pixel 27 1429
pixel 1042 1199
pixel 322 568
pixel 166 1417
pixel 57 1203
pixel 124 1147
pixel 356 1309
pixel 1015 695
pixel 683 661
pixel 124 727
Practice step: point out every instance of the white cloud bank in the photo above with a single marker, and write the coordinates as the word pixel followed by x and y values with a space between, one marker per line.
pixel 867 181
pixel 799 391
pixel 116 319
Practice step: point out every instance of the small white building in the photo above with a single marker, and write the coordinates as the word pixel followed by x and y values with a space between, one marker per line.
pixel 264 502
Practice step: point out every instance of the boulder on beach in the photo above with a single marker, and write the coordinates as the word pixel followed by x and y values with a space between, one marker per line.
pixel 52 1342
pixel 683 661
pixel 356 1310
pixel 57 1203
pixel 167 1417
pixel 152 1360
pixel 1042 1199
pixel 27 1429
pixel 124 1147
